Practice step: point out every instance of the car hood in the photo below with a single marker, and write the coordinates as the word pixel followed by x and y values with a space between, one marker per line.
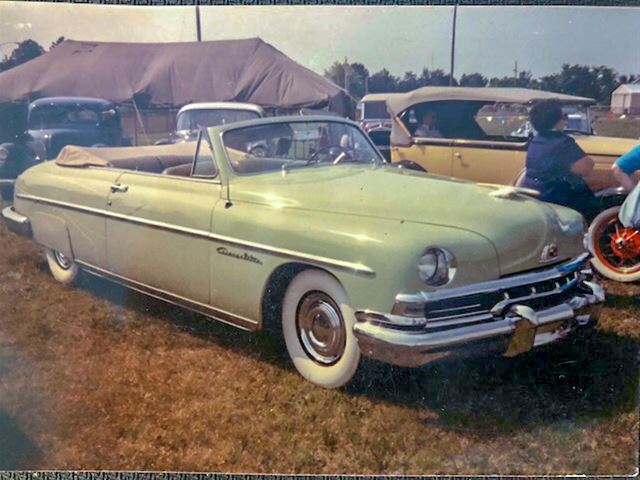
pixel 611 146
pixel 519 227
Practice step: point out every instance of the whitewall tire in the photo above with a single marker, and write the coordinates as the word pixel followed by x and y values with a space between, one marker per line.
pixel 63 268
pixel 317 324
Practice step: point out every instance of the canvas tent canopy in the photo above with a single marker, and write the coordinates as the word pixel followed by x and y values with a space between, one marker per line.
pixel 172 74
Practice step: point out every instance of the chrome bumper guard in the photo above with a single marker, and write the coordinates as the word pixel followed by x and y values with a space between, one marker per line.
pixel 16 222
pixel 514 325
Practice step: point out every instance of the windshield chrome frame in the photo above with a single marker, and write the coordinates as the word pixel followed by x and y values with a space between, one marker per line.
pixel 378 161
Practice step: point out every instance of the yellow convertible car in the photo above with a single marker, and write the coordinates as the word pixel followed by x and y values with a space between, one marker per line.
pixel 482 134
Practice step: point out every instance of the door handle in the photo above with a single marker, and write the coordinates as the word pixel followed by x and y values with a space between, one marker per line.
pixel 458 155
pixel 116 187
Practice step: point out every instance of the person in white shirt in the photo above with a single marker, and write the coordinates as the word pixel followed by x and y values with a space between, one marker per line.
pixel 427 127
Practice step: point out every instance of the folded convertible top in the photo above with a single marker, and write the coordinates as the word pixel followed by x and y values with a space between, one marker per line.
pixel 154 158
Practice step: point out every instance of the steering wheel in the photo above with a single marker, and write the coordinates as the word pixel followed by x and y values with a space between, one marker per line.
pixel 340 153
pixel 258 151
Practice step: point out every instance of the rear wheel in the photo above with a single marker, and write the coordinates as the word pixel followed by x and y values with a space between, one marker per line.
pixel 615 248
pixel 317 324
pixel 63 268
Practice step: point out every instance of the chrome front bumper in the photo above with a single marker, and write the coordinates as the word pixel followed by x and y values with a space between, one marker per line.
pixel 16 222
pixel 513 325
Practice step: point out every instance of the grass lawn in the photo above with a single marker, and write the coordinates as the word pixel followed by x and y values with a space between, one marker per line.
pixel 100 377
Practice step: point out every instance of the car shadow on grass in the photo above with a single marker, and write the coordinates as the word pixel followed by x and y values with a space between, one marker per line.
pixel 17 450
pixel 260 344
pixel 592 374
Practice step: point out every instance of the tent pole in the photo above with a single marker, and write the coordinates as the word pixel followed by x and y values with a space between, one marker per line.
pixel 139 118
pixel 135 128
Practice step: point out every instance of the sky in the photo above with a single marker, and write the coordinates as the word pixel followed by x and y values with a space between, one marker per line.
pixel 489 39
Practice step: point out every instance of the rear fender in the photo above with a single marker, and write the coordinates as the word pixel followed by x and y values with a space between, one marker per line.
pixel 51 231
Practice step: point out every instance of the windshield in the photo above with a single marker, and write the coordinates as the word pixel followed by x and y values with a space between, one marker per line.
pixel 376 110
pixel 576 120
pixel 194 119
pixel 61 116
pixel 273 146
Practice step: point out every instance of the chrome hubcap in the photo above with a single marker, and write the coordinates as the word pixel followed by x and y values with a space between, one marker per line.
pixel 321 328
pixel 64 262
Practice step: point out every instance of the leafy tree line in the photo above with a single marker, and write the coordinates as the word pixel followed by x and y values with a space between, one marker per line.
pixel 588 81
pixel 25 51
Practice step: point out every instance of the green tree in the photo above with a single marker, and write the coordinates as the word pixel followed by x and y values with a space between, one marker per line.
pixel 25 51
pixel 354 74
pixel 383 82
pixel 473 80
pixel 435 78
pixel 408 82
pixel 55 43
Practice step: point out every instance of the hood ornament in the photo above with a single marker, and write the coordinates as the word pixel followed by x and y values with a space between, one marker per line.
pixel 509 191
pixel 549 253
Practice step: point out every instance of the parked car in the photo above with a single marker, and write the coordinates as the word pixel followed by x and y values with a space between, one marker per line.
pixel 485 134
pixel 319 238
pixel 54 122
pixel 194 116
pixel 373 117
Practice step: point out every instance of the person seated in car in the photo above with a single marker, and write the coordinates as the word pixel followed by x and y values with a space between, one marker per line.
pixel 556 166
pixel 427 127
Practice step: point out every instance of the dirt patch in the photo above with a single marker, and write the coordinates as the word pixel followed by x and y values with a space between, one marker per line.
pixel 99 377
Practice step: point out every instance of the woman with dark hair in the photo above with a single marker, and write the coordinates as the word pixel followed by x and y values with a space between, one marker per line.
pixel 556 165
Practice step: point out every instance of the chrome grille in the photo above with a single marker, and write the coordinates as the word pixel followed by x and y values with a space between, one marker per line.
pixel 486 306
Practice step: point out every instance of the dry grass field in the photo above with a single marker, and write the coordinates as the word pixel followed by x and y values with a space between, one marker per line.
pixel 99 377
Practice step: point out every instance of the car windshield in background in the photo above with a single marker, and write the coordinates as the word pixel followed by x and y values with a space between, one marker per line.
pixel 194 119
pixel 577 119
pixel 513 120
pixel 269 147
pixel 377 109
pixel 60 116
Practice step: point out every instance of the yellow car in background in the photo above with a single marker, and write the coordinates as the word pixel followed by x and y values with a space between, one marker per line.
pixel 483 133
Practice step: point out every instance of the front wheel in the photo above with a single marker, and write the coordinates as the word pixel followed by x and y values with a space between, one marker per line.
pixel 63 268
pixel 615 248
pixel 317 324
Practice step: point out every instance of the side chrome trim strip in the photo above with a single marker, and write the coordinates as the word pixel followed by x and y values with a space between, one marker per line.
pixel 357 268
pixel 220 315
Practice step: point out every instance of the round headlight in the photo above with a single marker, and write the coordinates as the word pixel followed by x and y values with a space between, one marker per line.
pixel 437 267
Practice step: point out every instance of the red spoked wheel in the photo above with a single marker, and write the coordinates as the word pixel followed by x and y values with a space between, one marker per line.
pixel 615 248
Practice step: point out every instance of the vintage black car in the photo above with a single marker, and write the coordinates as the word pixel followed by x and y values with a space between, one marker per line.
pixel 53 123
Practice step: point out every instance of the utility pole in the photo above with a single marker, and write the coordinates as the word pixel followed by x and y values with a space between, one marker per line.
pixel 198 29
pixel 346 74
pixel 453 44
pixel 515 73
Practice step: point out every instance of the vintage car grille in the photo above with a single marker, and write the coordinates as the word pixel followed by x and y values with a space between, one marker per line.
pixel 487 306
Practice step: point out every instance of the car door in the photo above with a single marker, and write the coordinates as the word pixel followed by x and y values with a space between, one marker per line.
pixel 158 230
pixel 433 154
pixel 488 161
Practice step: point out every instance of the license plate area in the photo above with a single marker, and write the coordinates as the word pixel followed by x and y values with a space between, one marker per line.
pixel 526 335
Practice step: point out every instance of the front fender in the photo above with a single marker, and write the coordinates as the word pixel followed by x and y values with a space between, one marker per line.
pixel 15 158
pixel 386 252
